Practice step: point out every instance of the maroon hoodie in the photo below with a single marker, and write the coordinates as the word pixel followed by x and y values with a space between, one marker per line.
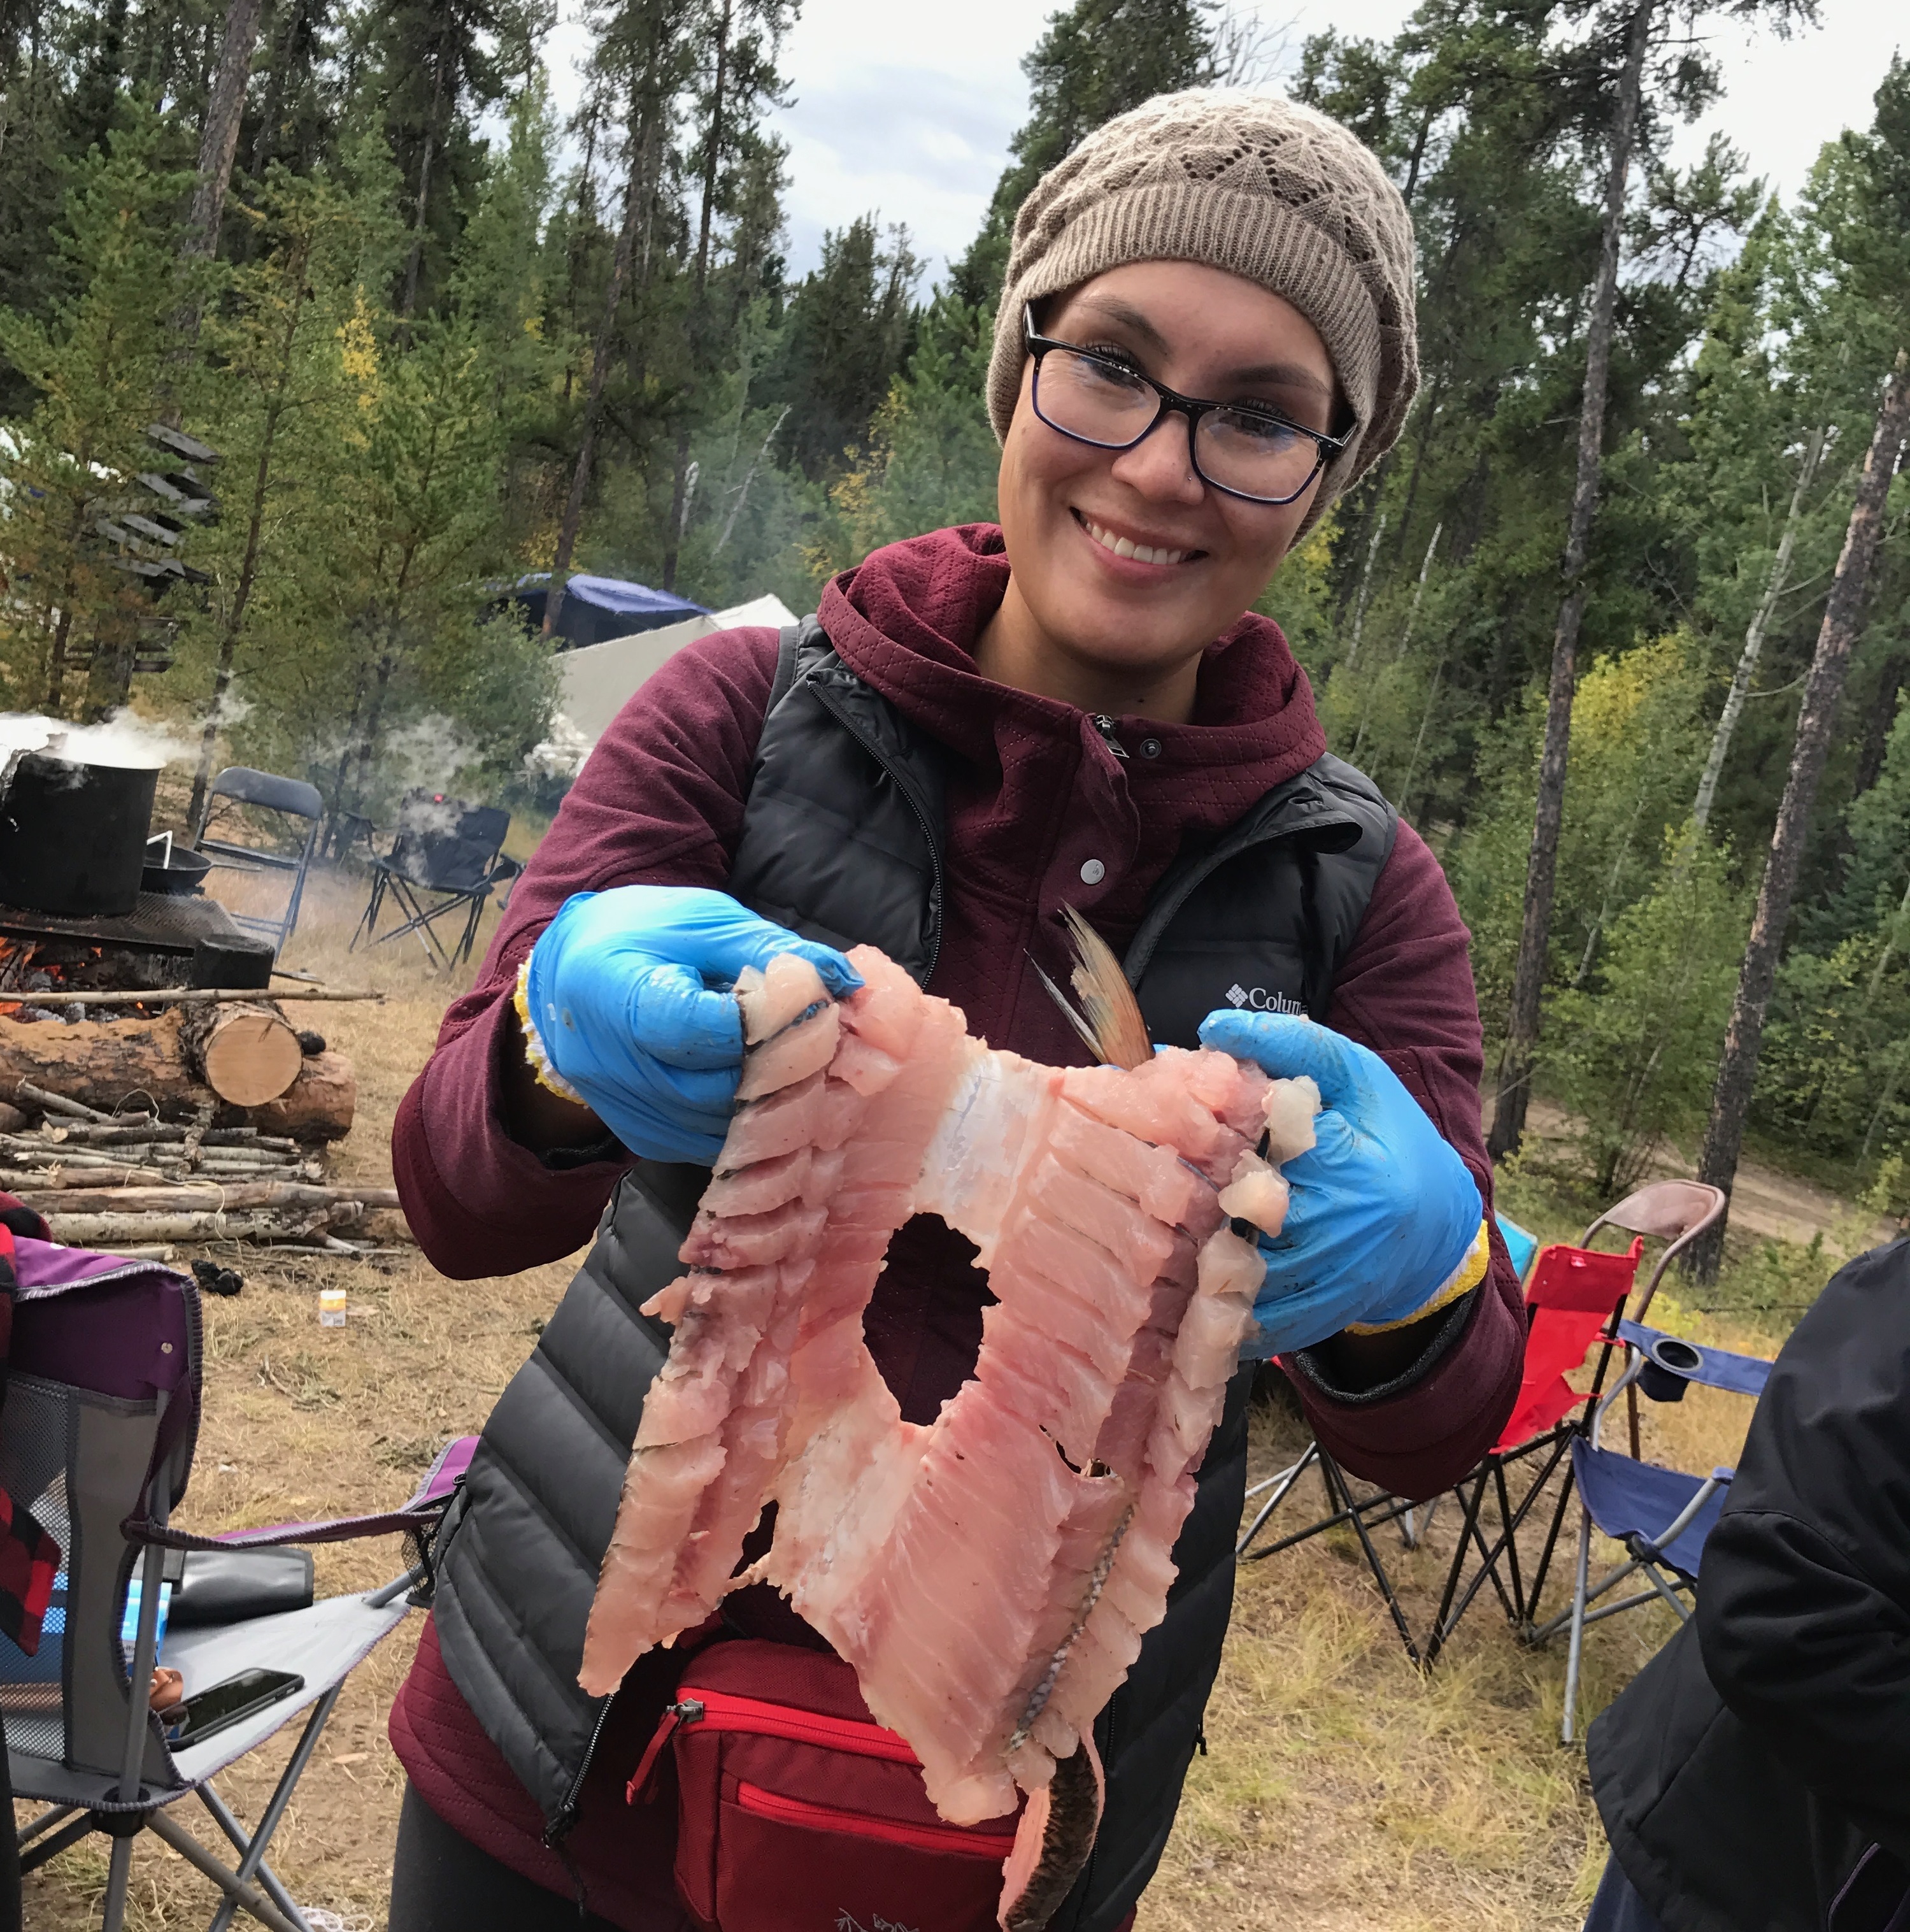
pixel 1034 792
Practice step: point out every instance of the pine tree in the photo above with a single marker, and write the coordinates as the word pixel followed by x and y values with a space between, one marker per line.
pixel 1863 194
pixel 97 361
pixel 1098 58
pixel 845 336
pixel 280 393
pixel 1634 29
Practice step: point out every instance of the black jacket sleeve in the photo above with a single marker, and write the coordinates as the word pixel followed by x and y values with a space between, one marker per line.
pixel 1804 1598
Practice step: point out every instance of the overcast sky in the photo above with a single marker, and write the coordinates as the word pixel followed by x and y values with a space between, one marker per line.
pixel 905 107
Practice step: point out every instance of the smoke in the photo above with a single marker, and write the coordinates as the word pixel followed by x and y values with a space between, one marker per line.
pixel 422 817
pixel 428 755
pixel 124 741
pixel 560 757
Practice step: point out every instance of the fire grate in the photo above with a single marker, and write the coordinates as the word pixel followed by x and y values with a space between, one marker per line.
pixel 166 940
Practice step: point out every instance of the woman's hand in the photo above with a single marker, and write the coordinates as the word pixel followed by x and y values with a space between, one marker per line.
pixel 626 1010
pixel 1384 1224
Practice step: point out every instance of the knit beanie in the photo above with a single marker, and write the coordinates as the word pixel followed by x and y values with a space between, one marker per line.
pixel 1252 183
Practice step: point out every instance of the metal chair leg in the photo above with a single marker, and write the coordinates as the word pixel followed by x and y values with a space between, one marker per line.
pixel 1508 1523
pixel 119 1871
pixel 1330 1469
pixel 1282 1486
pixel 1551 1535
pixel 281 1797
pixel 235 1831
pixel 1576 1653
pixel 248 1896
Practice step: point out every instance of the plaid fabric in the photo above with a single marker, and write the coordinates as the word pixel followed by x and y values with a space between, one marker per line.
pixel 29 1558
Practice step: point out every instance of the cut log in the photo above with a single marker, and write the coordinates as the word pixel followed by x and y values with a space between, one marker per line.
pixel 29 1182
pixel 113 1067
pixel 318 1105
pixel 247 1196
pixel 247 1054
pixel 101 1066
pixel 95 1230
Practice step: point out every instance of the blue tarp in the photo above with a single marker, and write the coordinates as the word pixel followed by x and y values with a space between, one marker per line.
pixel 596 609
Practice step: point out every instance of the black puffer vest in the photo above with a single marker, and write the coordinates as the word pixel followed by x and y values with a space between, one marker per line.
pixel 842 842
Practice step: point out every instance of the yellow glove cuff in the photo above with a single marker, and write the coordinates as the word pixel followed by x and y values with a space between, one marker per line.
pixel 547 1075
pixel 1463 1280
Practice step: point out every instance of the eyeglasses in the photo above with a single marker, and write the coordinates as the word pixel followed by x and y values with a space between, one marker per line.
pixel 1241 451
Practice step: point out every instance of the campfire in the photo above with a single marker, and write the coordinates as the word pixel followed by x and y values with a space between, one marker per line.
pixel 152 1087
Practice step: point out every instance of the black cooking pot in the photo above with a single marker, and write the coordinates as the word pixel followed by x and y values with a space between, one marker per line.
pixel 73 836
pixel 182 872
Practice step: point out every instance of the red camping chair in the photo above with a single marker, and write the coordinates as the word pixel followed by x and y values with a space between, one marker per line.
pixel 1574 1296
pixel 1571 1295
pixel 1676 1212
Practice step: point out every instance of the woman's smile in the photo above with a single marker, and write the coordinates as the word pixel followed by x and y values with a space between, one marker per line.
pixel 1124 545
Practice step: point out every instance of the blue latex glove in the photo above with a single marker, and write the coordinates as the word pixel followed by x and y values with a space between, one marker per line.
pixel 617 1000
pixel 1383 1215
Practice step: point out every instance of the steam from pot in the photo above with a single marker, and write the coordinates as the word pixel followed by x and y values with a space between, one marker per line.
pixel 124 741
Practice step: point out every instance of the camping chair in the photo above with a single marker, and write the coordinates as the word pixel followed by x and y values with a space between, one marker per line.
pixel 1574 1295
pixel 1362 1514
pixel 96 1436
pixel 1661 1516
pixel 446 860
pixel 290 799
pixel 1675 1212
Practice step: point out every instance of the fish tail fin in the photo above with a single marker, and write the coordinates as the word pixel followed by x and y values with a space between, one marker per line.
pixel 1119 1034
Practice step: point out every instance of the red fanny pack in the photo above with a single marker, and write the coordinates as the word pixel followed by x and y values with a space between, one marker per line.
pixel 795 1809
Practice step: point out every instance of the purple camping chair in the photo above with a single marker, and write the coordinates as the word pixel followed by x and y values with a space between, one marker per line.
pixel 97 1437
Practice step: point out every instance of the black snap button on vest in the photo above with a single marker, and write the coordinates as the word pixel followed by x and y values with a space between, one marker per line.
pixel 1150 748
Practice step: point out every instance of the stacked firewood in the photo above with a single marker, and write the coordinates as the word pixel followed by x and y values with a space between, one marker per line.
pixel 106 1180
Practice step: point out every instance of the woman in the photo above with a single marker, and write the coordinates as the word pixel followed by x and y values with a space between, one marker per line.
pixel 1206 334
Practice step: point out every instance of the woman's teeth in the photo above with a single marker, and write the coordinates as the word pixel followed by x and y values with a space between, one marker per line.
pixel 1121 546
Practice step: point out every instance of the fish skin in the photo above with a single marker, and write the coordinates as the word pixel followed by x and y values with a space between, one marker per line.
pixel 989 1576
pixel 1052 1841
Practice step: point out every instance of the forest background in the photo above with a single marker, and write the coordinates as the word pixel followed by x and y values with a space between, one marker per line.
pixel 439 338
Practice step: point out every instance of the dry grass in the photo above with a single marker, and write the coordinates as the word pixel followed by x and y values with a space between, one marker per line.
pixel 1341 1790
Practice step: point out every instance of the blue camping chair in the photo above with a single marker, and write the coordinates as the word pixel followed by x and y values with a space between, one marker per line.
pixel 1661 1516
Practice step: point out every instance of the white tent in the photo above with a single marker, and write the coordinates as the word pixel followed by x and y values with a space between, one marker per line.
pixel 600 679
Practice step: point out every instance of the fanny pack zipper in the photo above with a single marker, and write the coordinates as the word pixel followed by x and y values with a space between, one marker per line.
pixel 992 1846
pixel 723 1710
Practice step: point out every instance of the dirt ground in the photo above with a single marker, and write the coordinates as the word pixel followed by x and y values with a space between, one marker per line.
pixel 1339 1788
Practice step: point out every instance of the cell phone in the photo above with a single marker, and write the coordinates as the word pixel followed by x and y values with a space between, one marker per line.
pixel 220 1705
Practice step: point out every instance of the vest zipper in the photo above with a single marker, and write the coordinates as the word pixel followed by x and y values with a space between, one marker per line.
pixel 1104 725
pixel 929 830
pixel 559 1827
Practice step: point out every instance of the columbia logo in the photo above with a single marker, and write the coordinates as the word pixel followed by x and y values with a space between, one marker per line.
pixel 1261 1001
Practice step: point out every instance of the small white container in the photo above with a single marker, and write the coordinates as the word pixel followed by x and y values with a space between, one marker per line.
pixel 332 1308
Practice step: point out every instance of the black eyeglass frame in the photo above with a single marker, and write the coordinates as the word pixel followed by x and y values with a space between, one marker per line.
pixel 1174 403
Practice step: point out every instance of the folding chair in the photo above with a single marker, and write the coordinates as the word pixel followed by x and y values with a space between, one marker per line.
pixel 96 1436
pixel 1676 1212
pixel 1574 1295
pixel 446 860
pixel 290 798
pixel 1361 1514
pixel 1661 1516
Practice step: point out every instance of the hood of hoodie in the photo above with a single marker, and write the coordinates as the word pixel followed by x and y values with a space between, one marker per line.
pixel 907 620
pixel 1042 811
